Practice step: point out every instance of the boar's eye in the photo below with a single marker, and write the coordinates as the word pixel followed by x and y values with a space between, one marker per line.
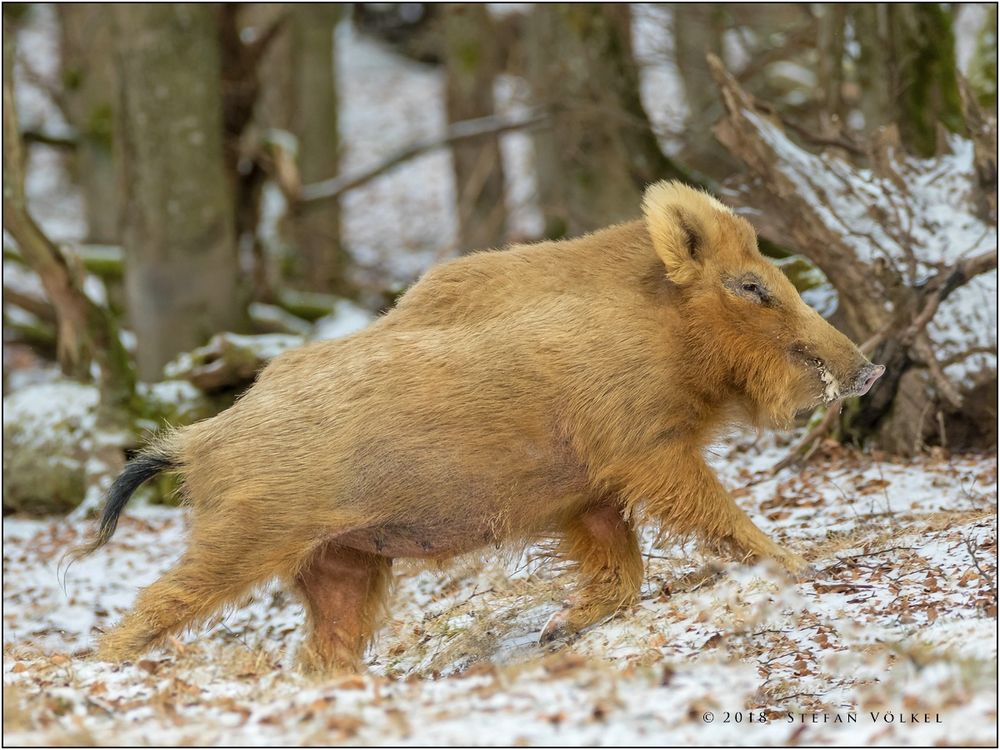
pixel 750 286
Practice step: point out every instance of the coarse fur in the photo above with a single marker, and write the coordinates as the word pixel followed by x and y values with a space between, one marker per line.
pixel 563 389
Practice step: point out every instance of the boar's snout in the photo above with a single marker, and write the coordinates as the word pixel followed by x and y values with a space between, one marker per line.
pixel 843 370
pixel 866 377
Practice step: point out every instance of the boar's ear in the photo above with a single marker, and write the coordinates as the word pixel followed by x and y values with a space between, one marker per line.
pixel 681 223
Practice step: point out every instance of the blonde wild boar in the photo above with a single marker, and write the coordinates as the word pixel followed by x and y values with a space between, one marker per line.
pixel 563 389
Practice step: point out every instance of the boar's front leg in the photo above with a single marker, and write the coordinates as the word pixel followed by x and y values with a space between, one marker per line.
pixel 686 497
pixel 605 552
pixel 344 591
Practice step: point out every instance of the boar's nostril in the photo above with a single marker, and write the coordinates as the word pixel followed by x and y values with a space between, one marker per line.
pixel 868 377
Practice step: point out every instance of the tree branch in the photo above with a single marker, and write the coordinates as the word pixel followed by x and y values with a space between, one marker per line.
pixel 971 351
pixel 925 353
pixel 942 285
pixel 67 140
pixel 40 308
pixel 256 49
pixel 458 132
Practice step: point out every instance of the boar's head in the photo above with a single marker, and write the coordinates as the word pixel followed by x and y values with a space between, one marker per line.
pixel 745 327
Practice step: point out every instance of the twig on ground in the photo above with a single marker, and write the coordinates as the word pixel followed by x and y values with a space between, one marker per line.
pixel 235 635
pixel 765 662
pixel 841 560
pixel 798 695
pixel 972 554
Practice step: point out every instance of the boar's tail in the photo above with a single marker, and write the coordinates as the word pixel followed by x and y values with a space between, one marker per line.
pixel 138 470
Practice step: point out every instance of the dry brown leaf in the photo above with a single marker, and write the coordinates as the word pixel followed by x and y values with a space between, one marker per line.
pixel 354 682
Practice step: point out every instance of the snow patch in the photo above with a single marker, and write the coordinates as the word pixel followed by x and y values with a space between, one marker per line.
pixel 347 318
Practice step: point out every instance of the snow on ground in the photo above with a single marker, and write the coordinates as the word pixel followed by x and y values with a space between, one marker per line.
pixel 900 619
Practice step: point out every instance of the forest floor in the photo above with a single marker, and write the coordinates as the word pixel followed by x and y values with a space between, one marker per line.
pixel 894 641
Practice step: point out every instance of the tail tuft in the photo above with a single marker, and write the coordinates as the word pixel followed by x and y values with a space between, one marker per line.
pixel 136 471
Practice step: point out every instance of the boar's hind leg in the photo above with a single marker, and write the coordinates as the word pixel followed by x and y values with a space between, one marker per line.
pixel 344 591
pixel 203 582
pixel 605 552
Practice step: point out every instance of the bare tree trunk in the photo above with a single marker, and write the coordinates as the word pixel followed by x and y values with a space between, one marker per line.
pixel 548 164
pixel 697 30
pixel 831 68
pixel 982 66
pixel 472 59
pixel 601 149
pixel 273 114
pixel 178 231
pixel 88 77
pixel 923 74
pixel 246 155
pixel 86 332
pixel 275 105
pixel 761 34
pixel 317 227
pixel 870 24
pixel 907 71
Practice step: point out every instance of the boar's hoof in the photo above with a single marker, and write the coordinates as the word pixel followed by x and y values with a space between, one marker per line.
pixel 571 619
pixel 808 573
pixel 315 663
pixel 559 626
pixel 797 566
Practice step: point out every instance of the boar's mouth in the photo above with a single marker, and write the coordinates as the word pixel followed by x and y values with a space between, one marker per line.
pixel 832 389
pixel 831 386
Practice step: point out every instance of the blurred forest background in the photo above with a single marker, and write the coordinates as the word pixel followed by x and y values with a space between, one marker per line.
pixel 190 189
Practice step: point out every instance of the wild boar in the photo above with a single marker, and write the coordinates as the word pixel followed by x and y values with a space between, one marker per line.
pixel 562 389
